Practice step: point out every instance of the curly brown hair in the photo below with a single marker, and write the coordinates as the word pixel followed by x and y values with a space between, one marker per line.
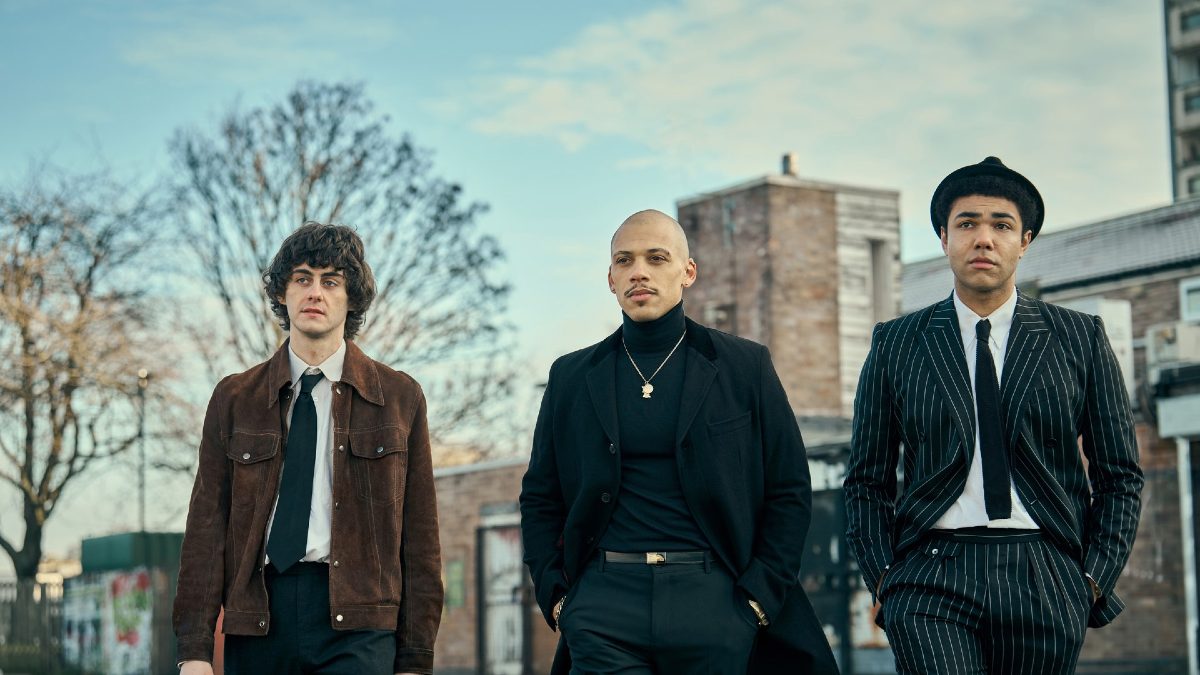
pixel 323 245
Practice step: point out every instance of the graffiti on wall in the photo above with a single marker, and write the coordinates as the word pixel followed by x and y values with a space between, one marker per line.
pixel 107 622
pixel 83 604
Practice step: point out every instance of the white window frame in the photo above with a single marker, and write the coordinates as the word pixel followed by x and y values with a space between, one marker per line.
pixel 1187 286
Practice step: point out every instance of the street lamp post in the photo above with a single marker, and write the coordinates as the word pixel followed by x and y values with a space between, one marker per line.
pixel 143 382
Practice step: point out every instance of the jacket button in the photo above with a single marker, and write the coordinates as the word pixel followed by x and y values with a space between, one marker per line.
pixel 612 448
pixel 379 450
pixel 590 539
pixel 336 563
pixel 337 505
pixel 605 497
pixel 245 455
pixel 337 390
pixel 338 617
pixel 341 448
pixel 262 624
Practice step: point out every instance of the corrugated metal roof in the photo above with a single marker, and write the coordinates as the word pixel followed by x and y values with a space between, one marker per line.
pixel 1108 248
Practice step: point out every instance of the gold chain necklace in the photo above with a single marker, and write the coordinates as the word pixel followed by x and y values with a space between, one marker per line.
pixel 648 388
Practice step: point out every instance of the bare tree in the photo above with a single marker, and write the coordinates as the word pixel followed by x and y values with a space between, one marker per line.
pixel 74 320
pixel 325 154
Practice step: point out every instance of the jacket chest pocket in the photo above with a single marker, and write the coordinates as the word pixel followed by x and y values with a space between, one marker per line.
pixel 379 458
pixel 248 453
pixel 732 435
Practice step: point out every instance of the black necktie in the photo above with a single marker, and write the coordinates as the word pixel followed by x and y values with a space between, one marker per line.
pixel 289 531
pixel 996 477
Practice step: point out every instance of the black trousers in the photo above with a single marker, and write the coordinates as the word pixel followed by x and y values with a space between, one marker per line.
pixel 301 639
pixel 967 605
pixel 675 619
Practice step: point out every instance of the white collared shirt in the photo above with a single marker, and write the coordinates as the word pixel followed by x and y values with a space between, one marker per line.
pixel 970 510
pixel 320 514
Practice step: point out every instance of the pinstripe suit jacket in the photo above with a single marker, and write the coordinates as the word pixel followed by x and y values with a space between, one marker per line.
pixel 1060 385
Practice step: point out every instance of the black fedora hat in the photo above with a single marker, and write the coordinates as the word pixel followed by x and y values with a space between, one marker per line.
pixel 990 166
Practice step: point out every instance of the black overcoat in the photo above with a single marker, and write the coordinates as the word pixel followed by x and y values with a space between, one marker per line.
pixel 741 464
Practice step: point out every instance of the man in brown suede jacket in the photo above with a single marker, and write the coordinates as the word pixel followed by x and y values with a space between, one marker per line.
pixel 313 521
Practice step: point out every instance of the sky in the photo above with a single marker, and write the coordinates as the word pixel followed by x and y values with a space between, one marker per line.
pixel 566 120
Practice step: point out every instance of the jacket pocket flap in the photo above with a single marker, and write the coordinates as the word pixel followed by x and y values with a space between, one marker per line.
pixel 378 442
pixel 732 424
pixel 246 447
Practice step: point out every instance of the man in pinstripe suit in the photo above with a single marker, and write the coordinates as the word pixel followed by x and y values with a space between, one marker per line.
pixel 1005 544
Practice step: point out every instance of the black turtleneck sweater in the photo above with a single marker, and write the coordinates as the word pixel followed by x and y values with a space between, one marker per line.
pixel 651 514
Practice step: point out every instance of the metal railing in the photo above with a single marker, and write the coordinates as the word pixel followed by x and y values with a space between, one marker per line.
pixel 30 627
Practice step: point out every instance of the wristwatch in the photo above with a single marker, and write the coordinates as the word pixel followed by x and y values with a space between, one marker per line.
pixel 758 611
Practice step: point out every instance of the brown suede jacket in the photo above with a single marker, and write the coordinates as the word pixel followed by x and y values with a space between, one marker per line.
pixel 384 562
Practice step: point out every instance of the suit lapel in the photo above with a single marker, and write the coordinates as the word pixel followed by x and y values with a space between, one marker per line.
pixel 602 387
pixel 1023 359
pixel 698 376
pixel 944 349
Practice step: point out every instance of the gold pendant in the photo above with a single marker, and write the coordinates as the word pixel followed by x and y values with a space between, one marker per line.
pixel 647 389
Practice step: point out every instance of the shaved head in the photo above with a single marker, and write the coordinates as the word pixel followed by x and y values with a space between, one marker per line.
pixel 679 241
pixel 649 265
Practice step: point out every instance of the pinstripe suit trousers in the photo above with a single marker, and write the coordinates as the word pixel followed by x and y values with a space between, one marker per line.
pixel 1013 605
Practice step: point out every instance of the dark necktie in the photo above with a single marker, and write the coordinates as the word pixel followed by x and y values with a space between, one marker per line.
pixel 289 531
pixel 996 476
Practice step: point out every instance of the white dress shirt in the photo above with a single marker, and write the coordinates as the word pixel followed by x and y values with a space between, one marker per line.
pixel 322 494
pixel 969 510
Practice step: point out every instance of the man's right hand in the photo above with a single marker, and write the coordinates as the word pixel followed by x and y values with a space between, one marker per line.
pixel 196 668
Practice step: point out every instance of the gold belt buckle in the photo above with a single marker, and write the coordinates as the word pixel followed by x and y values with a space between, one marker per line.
pixel 655 559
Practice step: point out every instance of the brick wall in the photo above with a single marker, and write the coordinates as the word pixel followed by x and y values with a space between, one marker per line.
pixel 463 493
pixel 771 270
pixel 1152 301
pixel 1153 625
pixel 803 288
pixel 728 239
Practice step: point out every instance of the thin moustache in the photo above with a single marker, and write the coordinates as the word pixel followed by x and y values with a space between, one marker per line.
pixel 640 289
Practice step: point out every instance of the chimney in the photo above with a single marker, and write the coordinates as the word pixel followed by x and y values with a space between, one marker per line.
pixel 791 163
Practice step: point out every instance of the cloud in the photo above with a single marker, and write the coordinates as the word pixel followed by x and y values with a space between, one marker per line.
pixel 892 94
pixel 244 43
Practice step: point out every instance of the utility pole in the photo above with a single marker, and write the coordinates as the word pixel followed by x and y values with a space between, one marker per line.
pixel 143 382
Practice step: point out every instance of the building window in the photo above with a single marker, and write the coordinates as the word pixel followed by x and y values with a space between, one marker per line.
pixel 1193 185
pixel 1191 102
pixel 1189 20
pixel 1189 299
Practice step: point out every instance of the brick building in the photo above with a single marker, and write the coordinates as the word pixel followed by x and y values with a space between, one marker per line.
pixel 1141 274
pixel 489 618
pixel 807 268
pixel 804 267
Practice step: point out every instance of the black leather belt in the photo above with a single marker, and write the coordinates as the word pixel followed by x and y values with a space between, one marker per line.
pixel 987 535
pixel 658 557
pixel 299 569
